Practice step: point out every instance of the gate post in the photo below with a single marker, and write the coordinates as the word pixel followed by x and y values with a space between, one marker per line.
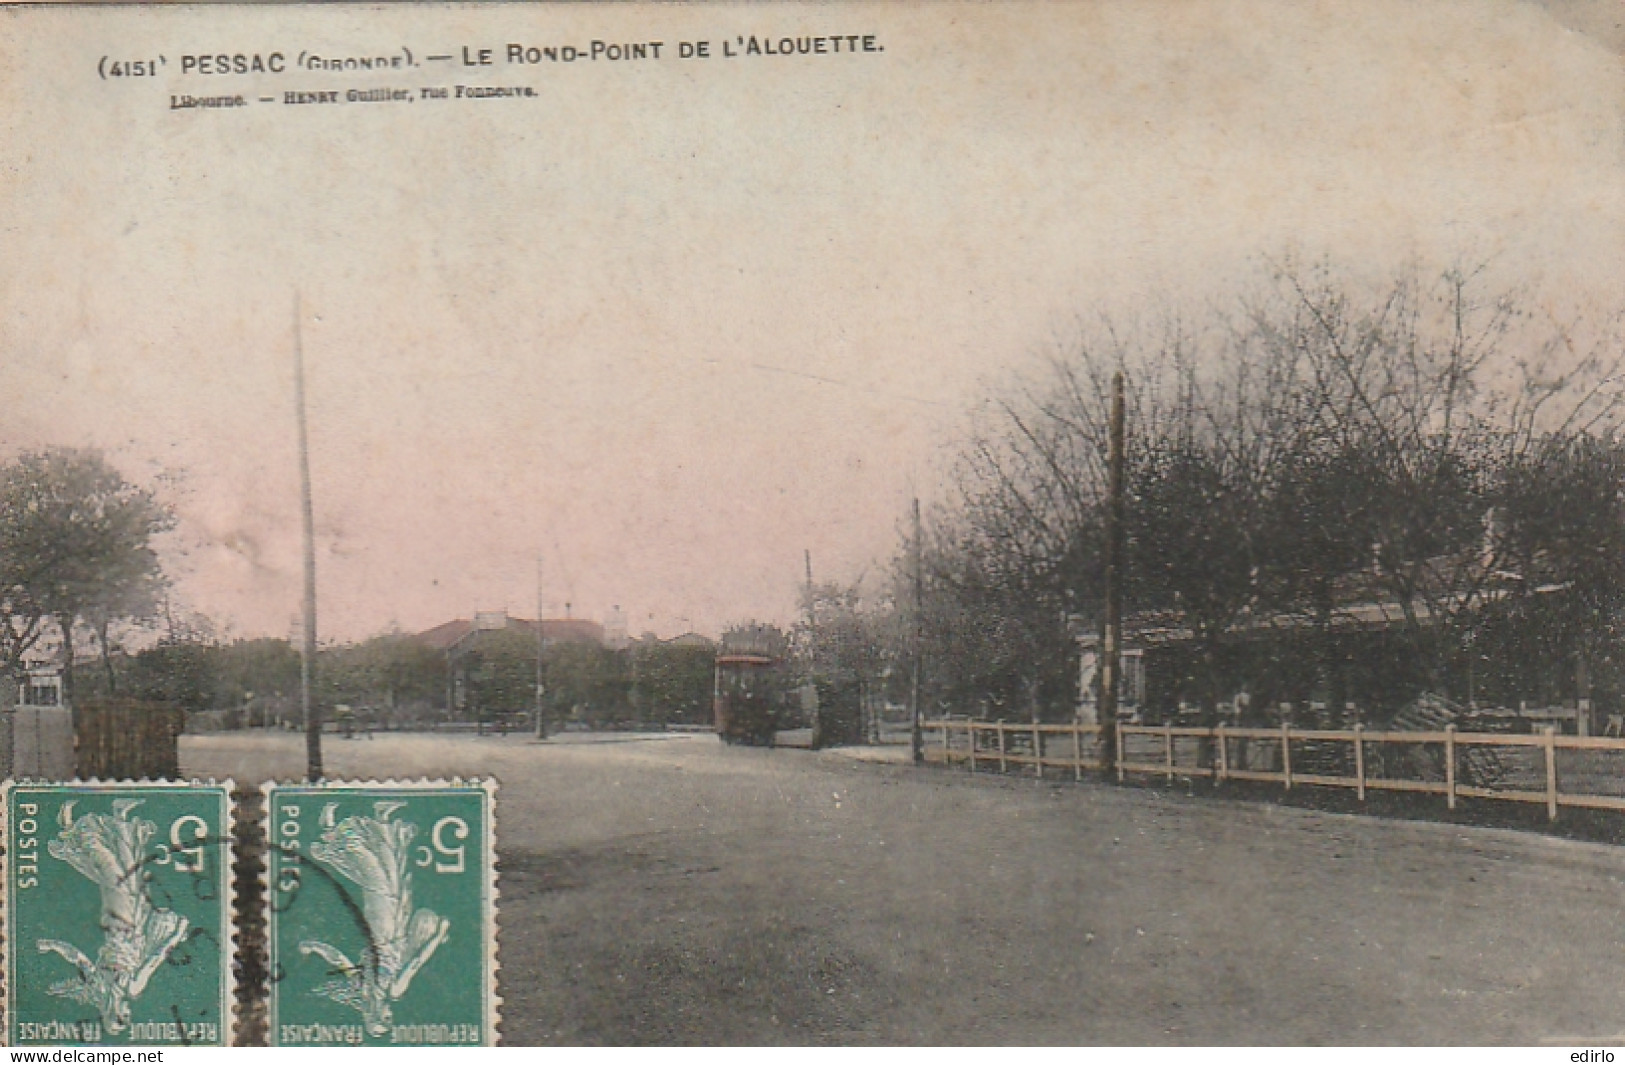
pixel 1551 773
pixel 1359 760
pixel 1450 766
pixel 1077 750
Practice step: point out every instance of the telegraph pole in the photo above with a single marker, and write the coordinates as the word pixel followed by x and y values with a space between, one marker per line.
pixel 307 664
pixel 1112 634
pixel 812 613
pixel 918 737
pixel 541 646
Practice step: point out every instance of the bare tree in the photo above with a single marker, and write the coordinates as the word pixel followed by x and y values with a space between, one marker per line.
pixel 1316 446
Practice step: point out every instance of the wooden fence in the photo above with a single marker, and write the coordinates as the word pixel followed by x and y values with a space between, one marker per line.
pixel 1545 767
pixel 989 743
pixel 123 739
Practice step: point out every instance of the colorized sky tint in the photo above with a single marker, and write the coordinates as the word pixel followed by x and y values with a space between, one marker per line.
pixel 672 322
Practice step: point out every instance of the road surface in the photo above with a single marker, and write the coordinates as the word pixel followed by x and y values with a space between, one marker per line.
pixel 670 890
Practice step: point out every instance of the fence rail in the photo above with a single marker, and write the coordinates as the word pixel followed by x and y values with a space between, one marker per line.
pixel 1065 746
pixel 1510 767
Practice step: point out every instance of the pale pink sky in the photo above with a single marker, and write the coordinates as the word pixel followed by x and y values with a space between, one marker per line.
pixel 671 323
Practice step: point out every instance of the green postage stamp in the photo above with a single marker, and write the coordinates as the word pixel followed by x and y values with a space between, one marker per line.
pixel 381 914
pixel 118 914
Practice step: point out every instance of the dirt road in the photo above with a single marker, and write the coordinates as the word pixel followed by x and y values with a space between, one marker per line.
pixel 674 891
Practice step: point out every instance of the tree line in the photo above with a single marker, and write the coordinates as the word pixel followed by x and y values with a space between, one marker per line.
pixel 80 568
pixel 394 680
pixel 1336 492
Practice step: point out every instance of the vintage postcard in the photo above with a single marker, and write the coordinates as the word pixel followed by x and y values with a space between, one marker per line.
pixel 1091 522
pixel 119 914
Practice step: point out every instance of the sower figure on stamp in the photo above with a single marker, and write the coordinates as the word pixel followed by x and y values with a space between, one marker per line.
pixel 109 851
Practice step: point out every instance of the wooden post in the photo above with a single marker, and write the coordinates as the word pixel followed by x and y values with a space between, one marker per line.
pixel 1000 727
pixel 1224 753
pixel 1359 761
pixel 1119 733
pixel 1168 748
pixel 307 656
pixel 970 730
pixel 1077 750
pixel 1286 754
pixel 1450 766
pixel 1551 773
pixel 947 745
pixel 1038 752
pixel 914 712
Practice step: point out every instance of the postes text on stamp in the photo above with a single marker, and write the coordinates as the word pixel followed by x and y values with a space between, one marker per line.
pixel 118 913
pixel 381 914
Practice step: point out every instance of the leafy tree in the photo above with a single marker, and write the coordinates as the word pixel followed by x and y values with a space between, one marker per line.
pixel 179 672
pixel 586 682
pixel 76 544
pixel 388 671
pixel 261 675
pixel 495 673
pixel 671 682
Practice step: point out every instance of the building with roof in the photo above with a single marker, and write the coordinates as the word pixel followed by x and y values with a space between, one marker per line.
pixel 462 631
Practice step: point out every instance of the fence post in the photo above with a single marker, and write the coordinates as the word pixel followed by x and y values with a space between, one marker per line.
pixel 1450 766
pixel 1038 751
pixel 1077 749
pixel 1286 755
pixel 1551 773
pixel 1000 726
pixel 1359 760
pixel 1168 748
pixel 1224 753
pixel 970 731
pixel 947 745
pixel 1119 731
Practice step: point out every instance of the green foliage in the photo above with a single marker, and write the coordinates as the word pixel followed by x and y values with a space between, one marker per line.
pixel 76 545
pixel 587 683
pixel 671 682
pixel 261 668
pixel 382 672
pixel 177 673
pixel 496 674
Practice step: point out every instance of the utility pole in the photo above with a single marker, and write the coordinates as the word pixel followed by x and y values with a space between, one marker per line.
pixel 812 613
pixel 307 664
pixel 541 647
pixel 1112 634
pixel 918 737
pixel 812 654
